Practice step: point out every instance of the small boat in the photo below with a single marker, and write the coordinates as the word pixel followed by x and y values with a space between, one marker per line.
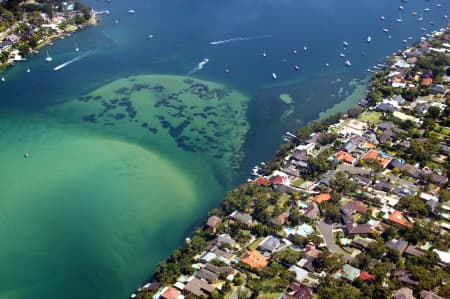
pixel 342 55
pixel 274 76
pixel 305 48
pixel 28 70
pixel 26 154
pixel 348 63
pixel 264 54
pixel 297 68
pixel 294 51
pixel 390 36
pixel 382 18
pixel 76 47
pixel 131 11
pixel 445 17
pixel 426 9
pixel 48 58
pixel 438 5
pixel 399 19
pixel 369 39
pixel 431 23
pixel 345 44
pixel 116 21
pixel 284 59
pixel 3 79
pixel 405 41
pixel 327 64
pixel 420 18
pixel 414 13
pixel 401 7
pixel 423 29
pixel 227 70
pixel 150 36
pixel 385 30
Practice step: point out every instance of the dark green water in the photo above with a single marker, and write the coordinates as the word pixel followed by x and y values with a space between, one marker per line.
pixel 130 145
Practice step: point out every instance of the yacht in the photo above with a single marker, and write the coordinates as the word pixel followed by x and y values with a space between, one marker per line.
pixel 382 18
pixel 342 54
pixel 131 11
pixel 385 30
pixel 369 39
pixel 48 58
pixel 274 76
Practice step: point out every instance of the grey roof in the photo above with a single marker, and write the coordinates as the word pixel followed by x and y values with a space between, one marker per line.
pixel 349 146
pixel 385 107
pixel 360 180
pixel 385 125
pixel 300 155
pixel 399 245
pixel 226 239
pixel 429 295
pixel 242 217
pixel 291 170
pixel 395 163
pixel 218 270
pixel 312 211
pixel 269 244
pixel 198 287
pixel 207 275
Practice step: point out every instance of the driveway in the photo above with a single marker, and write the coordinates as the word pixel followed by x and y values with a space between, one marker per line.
pixel 327 232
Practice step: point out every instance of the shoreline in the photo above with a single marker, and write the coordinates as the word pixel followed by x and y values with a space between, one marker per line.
pixel 48 41
pixel 326 118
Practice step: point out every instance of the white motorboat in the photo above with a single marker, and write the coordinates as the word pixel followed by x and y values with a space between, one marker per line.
pixel 348 63
pixel 274 76
pixel 48 58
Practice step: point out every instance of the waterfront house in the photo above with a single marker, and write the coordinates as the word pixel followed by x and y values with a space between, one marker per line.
pixel 212 223
pixel 198 287
pixel 242 217
pixel 171 293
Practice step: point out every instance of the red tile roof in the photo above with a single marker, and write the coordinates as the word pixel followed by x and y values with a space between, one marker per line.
pixel 342 156
pixel 397 217
pixel 278 180
pixel 263 181
pixel 170 293
pixel 322 197
pixel 367 276
pixel 255 259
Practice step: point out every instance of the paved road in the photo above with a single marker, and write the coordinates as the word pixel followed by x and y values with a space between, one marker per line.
pixel 327 232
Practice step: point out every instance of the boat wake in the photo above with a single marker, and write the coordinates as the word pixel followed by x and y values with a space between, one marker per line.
pixel 63 65
pixel 237 39
pixel 199 66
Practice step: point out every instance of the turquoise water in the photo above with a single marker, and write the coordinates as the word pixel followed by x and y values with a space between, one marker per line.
pixel 103 197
